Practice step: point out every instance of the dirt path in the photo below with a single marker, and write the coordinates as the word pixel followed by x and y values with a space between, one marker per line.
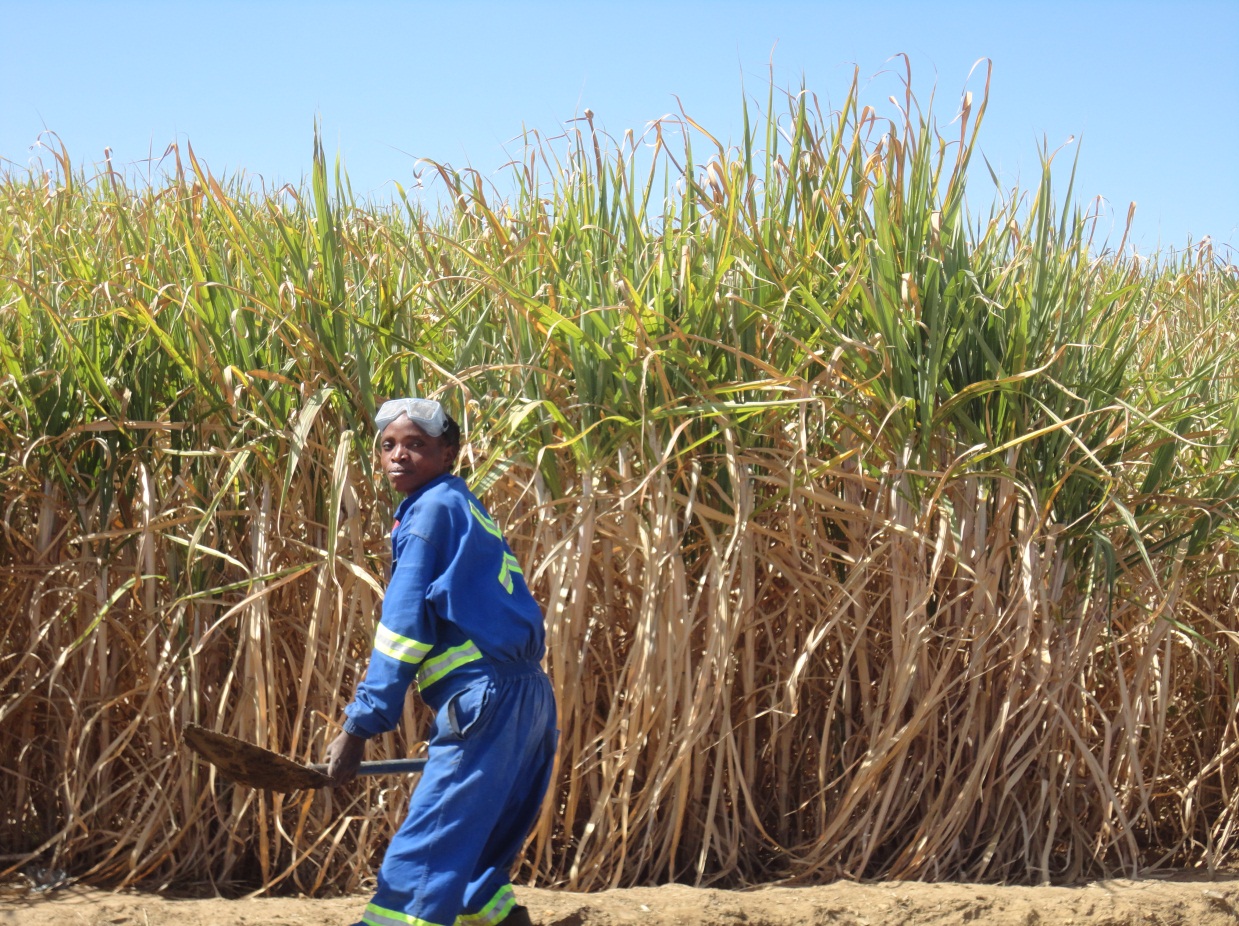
pixel 1180 901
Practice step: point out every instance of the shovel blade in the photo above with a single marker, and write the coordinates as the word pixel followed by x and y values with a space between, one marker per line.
pixel 250 765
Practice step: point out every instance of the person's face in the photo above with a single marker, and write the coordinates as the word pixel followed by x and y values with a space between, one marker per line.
pixel 411 457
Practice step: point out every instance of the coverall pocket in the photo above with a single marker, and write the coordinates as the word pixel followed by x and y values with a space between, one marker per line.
pixel 467 708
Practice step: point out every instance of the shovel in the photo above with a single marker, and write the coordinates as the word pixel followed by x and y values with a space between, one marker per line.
pixel 255 767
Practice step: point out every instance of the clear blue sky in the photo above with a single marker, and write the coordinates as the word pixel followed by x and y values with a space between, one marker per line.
pixel 1149 89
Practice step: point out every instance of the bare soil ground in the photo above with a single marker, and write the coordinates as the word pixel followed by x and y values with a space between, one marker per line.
pixel 1184 900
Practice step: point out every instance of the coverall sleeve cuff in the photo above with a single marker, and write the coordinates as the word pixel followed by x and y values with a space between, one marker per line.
pixel 353 727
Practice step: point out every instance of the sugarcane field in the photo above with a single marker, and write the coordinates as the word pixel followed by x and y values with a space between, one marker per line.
pixel 866 553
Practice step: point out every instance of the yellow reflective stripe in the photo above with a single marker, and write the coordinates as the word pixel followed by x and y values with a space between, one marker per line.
pixel 490 525
pixel 500 906
pixel 510 565
pixel 381 916
pixel 445 662
pixel 392 644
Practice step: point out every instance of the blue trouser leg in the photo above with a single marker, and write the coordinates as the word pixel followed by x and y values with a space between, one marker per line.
pixel 488 766
pixel 488 896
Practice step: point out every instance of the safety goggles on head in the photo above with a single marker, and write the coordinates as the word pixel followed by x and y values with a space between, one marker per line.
pixel 427 414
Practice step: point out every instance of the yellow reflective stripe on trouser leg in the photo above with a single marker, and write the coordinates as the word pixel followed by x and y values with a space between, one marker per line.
pixel 445 662
pixel 500 906
pixel 510 565
pixel 405 649
pixel 381 916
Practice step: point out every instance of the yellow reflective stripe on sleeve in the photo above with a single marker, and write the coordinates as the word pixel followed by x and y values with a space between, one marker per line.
pixel 510 565
pixel 445 662
pixel 381 916
pixel 490 525
pixel 406 649
pixel 500 906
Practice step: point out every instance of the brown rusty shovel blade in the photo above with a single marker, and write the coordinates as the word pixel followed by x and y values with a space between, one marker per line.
pixel 255 767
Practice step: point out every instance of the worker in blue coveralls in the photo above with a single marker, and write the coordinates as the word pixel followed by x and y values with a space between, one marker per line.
pixel 459 621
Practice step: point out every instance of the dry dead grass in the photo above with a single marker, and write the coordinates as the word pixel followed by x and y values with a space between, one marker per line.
pixel 871 545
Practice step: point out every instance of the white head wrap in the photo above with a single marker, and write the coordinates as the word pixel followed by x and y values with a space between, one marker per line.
pixel 427 414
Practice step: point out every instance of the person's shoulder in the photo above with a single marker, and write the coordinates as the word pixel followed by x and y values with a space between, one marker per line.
pixel 464 501
pixel 439 504
pixel 448 491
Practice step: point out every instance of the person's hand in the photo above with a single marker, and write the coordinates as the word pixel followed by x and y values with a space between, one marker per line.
pixel 343 757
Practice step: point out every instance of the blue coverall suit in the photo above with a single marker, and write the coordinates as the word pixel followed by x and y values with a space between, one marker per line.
pixel 459 620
